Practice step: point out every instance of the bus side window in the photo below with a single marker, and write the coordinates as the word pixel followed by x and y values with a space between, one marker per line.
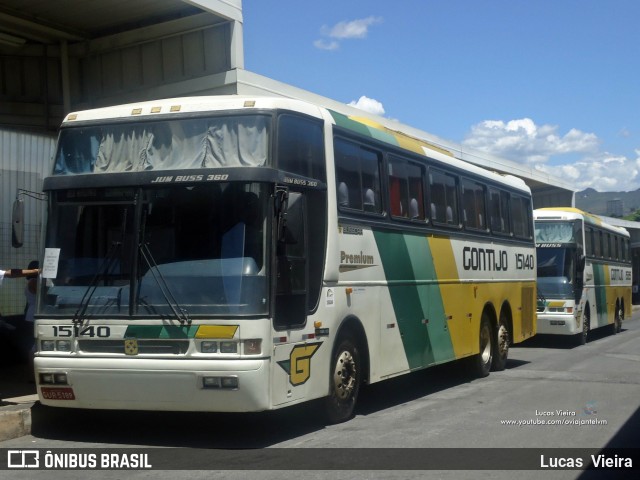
pixel 406 195
pixel 291 301
pixel 499 211
pixel 521 222
pixel 357 176
pixel 473 204
pixel 301 146
pixel 443 192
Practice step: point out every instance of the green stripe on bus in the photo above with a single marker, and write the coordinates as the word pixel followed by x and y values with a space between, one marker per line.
pixel 345 122
pixel 364 129
pixel 160 331
pixel 407 262
pixel 600 291
pixel 430 297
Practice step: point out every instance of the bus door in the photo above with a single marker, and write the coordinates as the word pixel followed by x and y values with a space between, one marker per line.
pixel 290 313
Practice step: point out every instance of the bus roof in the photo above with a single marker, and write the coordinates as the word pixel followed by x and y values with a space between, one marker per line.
pixel 363 125
pixel 182 105
pixel 570 213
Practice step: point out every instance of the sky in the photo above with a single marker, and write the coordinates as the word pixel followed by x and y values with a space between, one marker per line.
pixel 551 84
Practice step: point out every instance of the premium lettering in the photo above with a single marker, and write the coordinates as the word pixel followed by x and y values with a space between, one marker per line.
pixel 357 259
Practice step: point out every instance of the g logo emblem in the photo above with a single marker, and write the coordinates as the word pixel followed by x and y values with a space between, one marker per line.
pixel 299 364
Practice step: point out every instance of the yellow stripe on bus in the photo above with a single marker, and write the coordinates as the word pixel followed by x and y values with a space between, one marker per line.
pixel 555 304
pixel 216 331
pixel 451 292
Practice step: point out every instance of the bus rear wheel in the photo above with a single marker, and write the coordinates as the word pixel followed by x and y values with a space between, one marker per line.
pixel 502 347
pixel 617 322
pixel 344 381
pixel 482 361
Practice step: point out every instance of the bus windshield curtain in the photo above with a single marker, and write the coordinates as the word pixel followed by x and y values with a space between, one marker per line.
pixel 554 232
pixel 178 144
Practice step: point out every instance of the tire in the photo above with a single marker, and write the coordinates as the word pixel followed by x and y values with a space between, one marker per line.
pixel 501 347
pixel 586 323
pixel 617 325
pixel 481 363
pixel 345 377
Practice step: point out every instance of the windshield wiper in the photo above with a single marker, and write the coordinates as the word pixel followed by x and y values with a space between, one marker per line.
pixel 542 301
pixel 103 270
pixel 180 313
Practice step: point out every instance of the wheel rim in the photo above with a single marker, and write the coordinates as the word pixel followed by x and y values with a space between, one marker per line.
pixel 485 344
pixel 585 325
pixel 344 375
pixel 503 340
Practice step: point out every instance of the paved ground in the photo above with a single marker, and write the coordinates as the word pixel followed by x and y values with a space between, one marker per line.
pixel 18 396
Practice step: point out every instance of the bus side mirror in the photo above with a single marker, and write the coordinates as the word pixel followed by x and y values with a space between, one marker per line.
pixel 17 223
pixel 581 263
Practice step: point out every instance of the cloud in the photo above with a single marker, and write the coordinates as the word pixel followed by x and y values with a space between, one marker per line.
pixel 353 29
pixel 326 44
pixel 525 142
pixel 368 105
pixel 574 157
pixel 345 30
pixel 604 172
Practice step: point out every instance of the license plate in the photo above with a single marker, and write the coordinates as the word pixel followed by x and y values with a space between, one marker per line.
pixel 57 393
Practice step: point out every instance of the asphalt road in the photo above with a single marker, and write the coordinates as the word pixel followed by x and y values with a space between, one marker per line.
pixel 552 396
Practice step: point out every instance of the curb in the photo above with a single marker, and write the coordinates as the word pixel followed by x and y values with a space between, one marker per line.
pixel 15 421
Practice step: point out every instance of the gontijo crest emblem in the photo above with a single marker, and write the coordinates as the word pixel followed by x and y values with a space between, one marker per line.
pixel 299 364
pixel 131 346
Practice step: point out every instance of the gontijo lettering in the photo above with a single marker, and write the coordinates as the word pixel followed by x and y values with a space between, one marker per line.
pixel 474 258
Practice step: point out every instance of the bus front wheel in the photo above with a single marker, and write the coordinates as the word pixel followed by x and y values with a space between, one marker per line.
pixel 344 381
pixel 586 321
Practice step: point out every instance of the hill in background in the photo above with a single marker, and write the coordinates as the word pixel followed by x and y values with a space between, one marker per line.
pixel 612 204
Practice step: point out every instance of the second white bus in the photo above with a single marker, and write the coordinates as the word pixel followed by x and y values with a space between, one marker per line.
pixel 584 273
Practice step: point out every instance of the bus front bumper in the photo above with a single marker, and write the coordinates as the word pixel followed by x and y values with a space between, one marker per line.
pixel 558 324
pixel 169 385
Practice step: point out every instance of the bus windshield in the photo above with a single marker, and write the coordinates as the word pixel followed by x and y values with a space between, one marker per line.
pixel 222 141
pixel 556 270
pixel 555 232
pixel 179 250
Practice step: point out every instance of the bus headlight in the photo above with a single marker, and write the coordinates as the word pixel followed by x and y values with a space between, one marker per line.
pixel 63 345
pixel 55 345
pixel 228 347
pixel 53 379
pixel 228 383
pixel 208 347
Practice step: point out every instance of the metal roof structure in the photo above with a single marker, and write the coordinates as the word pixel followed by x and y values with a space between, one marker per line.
pixel 50 22
pixel 65 55
pixel 57 56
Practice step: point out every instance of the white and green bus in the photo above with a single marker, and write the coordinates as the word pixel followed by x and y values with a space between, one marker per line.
pixel 584 273
pixel 237 254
